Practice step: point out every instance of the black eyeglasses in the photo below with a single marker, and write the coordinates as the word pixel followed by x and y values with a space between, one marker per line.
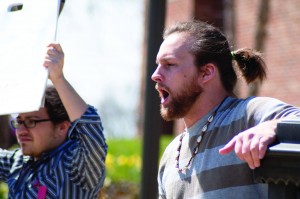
pixel 28 123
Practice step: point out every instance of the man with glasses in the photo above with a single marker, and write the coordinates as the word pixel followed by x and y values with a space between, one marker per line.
pixel 62 147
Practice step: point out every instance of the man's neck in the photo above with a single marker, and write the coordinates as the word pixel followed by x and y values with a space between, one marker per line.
pixel 201 107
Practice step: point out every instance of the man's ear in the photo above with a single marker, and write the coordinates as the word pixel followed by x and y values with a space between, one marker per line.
pixel 208 71
pixel 63 127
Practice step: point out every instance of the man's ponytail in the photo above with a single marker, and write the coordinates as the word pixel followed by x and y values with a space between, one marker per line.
pixel 250 63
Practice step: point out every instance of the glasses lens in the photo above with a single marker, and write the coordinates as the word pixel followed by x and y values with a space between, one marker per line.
pixel 29 123
pixel 15 124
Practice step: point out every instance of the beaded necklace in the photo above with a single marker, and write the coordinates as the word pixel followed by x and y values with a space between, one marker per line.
pixel 196 149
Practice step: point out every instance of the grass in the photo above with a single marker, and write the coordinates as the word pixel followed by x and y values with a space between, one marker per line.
pixel 124 160
pixel 123 164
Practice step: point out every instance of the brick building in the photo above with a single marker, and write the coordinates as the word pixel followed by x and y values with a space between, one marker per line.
pixel 239 20
pixel 282 49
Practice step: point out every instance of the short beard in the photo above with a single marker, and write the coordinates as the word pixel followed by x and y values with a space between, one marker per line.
pixel 182 101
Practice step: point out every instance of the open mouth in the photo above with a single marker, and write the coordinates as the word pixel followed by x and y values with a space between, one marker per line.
pixel 164 95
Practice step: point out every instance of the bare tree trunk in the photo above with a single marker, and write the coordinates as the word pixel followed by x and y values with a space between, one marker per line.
pixel 152 121
pixel 260 38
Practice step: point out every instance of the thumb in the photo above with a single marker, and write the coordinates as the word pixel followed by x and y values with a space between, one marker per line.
pixel 228 147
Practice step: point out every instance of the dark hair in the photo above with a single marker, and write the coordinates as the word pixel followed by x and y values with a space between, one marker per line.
pixel 55 107
pixel 211 46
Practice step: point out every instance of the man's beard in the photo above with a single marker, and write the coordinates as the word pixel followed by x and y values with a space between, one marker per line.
pixel 181 101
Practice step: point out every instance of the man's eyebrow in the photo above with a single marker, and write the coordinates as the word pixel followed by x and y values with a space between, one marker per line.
pixel 165 59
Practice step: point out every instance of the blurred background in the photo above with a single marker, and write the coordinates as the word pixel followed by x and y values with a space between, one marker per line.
pixel 110 50
pixel 102 41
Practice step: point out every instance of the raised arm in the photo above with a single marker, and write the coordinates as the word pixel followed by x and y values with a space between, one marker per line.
pixel 54 62
pixel 86 166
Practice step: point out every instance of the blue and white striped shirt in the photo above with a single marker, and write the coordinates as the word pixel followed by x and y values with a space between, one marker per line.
pixel 76 169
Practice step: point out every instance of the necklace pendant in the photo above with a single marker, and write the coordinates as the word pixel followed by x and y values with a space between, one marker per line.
pixel 183 170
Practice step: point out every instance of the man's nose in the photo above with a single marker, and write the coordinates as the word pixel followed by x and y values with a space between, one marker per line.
pixel 21 130
pixel 157 76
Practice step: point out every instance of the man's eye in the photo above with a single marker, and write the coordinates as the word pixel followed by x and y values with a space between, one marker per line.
pixel 29 122
pixel 167 65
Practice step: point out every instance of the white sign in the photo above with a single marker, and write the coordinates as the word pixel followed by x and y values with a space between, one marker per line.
pixel 26 28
